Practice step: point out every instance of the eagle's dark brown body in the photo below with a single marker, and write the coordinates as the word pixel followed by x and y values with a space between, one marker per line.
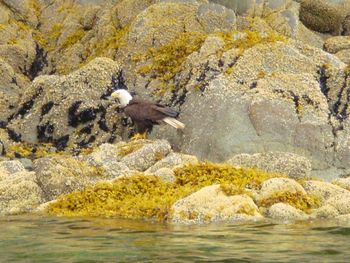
pixel 145 114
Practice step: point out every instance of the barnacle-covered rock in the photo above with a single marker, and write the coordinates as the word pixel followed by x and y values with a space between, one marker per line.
pixel 342 182
pixel 282 211
pixel 107 158
pixel 70 109
pixel 146 156
pixel 341 202
pixel 19 193
pixel 323 190
pixel 324 16
pixel 171 160
pixel 210 204
pixel 293 165
pixel 13 166
pixel 59 175
pixel 326 211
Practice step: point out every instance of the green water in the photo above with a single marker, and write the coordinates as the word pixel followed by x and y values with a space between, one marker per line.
pixel 33 239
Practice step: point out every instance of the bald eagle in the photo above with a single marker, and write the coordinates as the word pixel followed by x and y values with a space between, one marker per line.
pixel 145 114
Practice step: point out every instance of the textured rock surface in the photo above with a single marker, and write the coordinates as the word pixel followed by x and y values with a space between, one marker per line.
pixel 62 175
pixel 341 202
pixel 107 158
pixel 279 185
pixel 171 160
pixel 211 205
pixel 293 165
pixel 259 98
pixel 281 15
pixel 12 166
pixel 343 182
pixel 326 211
pixel 147 155
pixel 325 16
pixel 343 219
pixel 166 174
pixel 19 193
pixel 323 190
pixel 70 109
pixel 281 211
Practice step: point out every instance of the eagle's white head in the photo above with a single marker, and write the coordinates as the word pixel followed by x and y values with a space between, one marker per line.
pixel 123 96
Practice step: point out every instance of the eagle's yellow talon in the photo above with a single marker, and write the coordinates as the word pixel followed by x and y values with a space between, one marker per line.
pixel 139 136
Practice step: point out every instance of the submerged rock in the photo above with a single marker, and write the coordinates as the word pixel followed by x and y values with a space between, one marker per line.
pixel 210 204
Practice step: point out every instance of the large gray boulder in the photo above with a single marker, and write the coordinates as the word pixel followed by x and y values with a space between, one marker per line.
pixel 70 109
pixel 256 106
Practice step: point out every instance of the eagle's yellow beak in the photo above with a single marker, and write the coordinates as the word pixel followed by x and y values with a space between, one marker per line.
pixel 115 95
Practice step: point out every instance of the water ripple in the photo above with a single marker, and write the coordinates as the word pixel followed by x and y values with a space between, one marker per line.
pixel 33 239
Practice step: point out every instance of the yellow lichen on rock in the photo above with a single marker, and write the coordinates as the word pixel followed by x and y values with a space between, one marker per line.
pixel 73 38
pixel 167 59
pixel 247 39
pixel 130 147
pixel 103 47
pixel 27 150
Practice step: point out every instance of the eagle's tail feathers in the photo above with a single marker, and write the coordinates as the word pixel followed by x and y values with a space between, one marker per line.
pixel 174 123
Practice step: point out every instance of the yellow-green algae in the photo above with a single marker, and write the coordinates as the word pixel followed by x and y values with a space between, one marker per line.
pixel 73 38
pixel 167 59
pixel 246 39
pixel 148 197
pixel 106 44
pixel 131 147
pixel 27 150
pixel 298 200
pixel 39 150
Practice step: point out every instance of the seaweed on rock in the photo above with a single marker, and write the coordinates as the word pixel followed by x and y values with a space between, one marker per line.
pixel 148 197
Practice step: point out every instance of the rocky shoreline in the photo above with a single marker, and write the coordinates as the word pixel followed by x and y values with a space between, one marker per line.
pixel 262 86
pixel 145 179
